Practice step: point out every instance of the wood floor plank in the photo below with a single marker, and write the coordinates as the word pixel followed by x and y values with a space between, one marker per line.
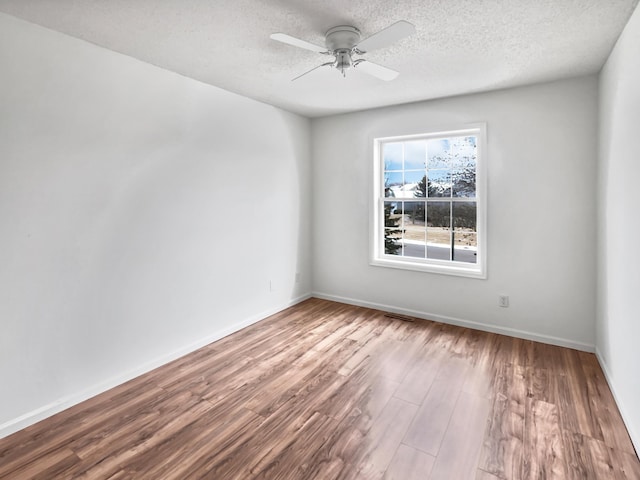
pixel 601 458
pixel 585 413
pixel 420 376
pixel 280 429
pixel 295 461
pixel 128 426
pixel 268 442
pixel 482 475
pixel 54 432
pixel 409 464
pixel 366 346
pixel 279 389
pixel 330 391
pixel 502 451
pixel 578 462
pixel 384 437
pixel 109 462
pixel 396 360
pixel 544 452
pixel 538 384
pixel 626 465
pixel 343 449
pixel 46 466
pixel 361 389
pixel 460 450
pixel 604 408
pixel 190 454
pixel 432 419
pixel 479 381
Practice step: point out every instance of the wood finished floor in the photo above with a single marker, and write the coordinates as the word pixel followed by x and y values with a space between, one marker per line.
pixel 329 391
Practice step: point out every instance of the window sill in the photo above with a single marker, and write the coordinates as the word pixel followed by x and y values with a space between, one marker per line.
pixel 450 268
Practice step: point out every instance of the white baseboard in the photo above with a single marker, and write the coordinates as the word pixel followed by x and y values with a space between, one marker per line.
pixel 512 332
pixel 635 436
pixel 63 403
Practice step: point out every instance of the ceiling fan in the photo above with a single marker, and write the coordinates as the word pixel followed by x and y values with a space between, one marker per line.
pixel 343 42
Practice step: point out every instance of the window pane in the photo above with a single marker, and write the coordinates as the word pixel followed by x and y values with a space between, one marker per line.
pixel 439 153
pixel 412 179
pixel 439 230
pixel 464 154
pixel 464 182
pixel 465 249
pixel 465 234
pixel 439 183
pixel 464 151
pixel 414 229
pixel 464 216
pixel 393 184
pixel 421 187
pixel 393 228
pixel 415 155
pixel 392 155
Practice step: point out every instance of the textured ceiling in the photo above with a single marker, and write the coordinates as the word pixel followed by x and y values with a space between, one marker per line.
pixel 461 46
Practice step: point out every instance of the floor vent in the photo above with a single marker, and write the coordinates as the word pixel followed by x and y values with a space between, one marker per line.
pixel 397 316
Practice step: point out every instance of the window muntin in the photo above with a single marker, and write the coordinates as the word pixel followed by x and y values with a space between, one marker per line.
pixel 428 212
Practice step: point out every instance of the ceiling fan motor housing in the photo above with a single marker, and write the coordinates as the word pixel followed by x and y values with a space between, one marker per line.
pixel 343 37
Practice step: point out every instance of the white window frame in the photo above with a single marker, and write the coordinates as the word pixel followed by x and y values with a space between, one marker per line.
pixel 448 267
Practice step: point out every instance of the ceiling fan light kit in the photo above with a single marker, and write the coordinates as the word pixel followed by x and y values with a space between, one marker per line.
pixel 343 42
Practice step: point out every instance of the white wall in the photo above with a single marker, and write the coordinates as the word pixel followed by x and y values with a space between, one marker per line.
pixel 618 319
pixel 541 223
pixel 142 214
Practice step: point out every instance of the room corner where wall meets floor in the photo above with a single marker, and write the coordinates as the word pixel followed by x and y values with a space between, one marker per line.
pixel 461 322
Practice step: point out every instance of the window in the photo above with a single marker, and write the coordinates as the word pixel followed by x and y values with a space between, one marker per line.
pixel 429 209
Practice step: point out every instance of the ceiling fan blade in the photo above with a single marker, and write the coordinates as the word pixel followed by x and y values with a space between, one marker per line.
pixel 296 42
pixel 387 36
pixel 314 68
pixel 378 71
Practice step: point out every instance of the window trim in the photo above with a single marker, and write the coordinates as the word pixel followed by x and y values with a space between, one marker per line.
pixel 376 236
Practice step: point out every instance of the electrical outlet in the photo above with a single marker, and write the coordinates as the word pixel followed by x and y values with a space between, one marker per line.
pixel 503 300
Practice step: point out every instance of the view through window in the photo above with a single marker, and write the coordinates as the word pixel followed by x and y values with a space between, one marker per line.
pixel 427 200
